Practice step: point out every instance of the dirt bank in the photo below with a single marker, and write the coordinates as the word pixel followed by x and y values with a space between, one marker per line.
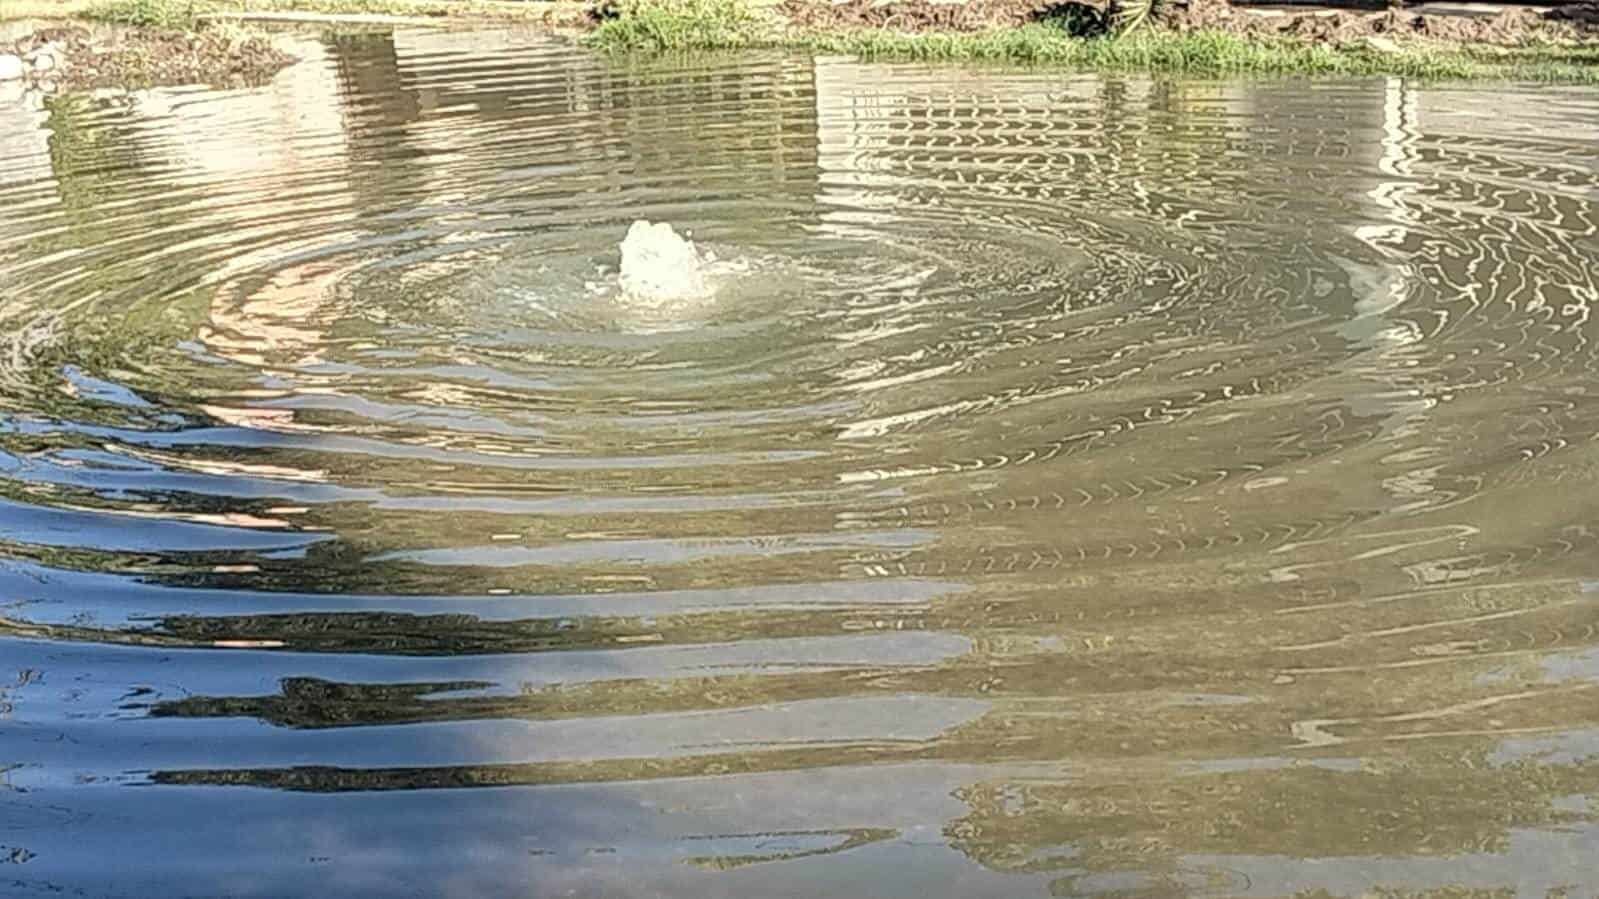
pixel 923 15
pixel 77 58
pixel 1510 27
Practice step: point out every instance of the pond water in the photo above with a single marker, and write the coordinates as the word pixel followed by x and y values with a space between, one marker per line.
pixel 1052 484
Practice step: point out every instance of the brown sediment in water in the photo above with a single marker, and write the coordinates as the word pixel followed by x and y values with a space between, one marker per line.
pixel 1509 27
pixel 84 59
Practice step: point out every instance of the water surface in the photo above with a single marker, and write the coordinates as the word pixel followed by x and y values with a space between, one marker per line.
pixel 1077 486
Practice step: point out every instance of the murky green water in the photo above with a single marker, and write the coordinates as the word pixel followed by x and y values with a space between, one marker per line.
pixel 1079 486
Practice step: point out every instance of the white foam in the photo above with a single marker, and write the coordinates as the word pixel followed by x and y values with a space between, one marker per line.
pixel 661 267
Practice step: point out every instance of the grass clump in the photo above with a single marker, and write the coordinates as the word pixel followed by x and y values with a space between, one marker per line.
pixel 172 15
pixel 664 25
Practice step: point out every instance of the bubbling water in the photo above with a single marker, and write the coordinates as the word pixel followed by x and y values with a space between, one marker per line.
pixel 660 267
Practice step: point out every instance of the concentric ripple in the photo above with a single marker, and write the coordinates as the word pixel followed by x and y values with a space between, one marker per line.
pixel 1073 486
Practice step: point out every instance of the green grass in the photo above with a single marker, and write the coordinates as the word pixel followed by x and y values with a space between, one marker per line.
pixel 172 14
pixel 1201 53
pixel 677 25
pixel 683 25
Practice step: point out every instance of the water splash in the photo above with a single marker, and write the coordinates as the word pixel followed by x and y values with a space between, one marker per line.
pixel 660 266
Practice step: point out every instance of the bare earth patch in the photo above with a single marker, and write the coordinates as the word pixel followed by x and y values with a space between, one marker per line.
pixel 1509 27
pixel 75 58
pixel 919 15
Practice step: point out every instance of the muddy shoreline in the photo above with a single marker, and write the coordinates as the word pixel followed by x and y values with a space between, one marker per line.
pixel 77 57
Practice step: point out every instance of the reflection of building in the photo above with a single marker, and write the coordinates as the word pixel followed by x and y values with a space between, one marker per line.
pixel 876 124
pixel 280 153
pixel 268 133
pixel 24 142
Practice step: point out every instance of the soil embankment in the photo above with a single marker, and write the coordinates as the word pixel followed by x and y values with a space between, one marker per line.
pixel 1335 26
pixel 73 57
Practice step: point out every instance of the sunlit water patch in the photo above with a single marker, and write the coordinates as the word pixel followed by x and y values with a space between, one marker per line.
pixel 476 467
